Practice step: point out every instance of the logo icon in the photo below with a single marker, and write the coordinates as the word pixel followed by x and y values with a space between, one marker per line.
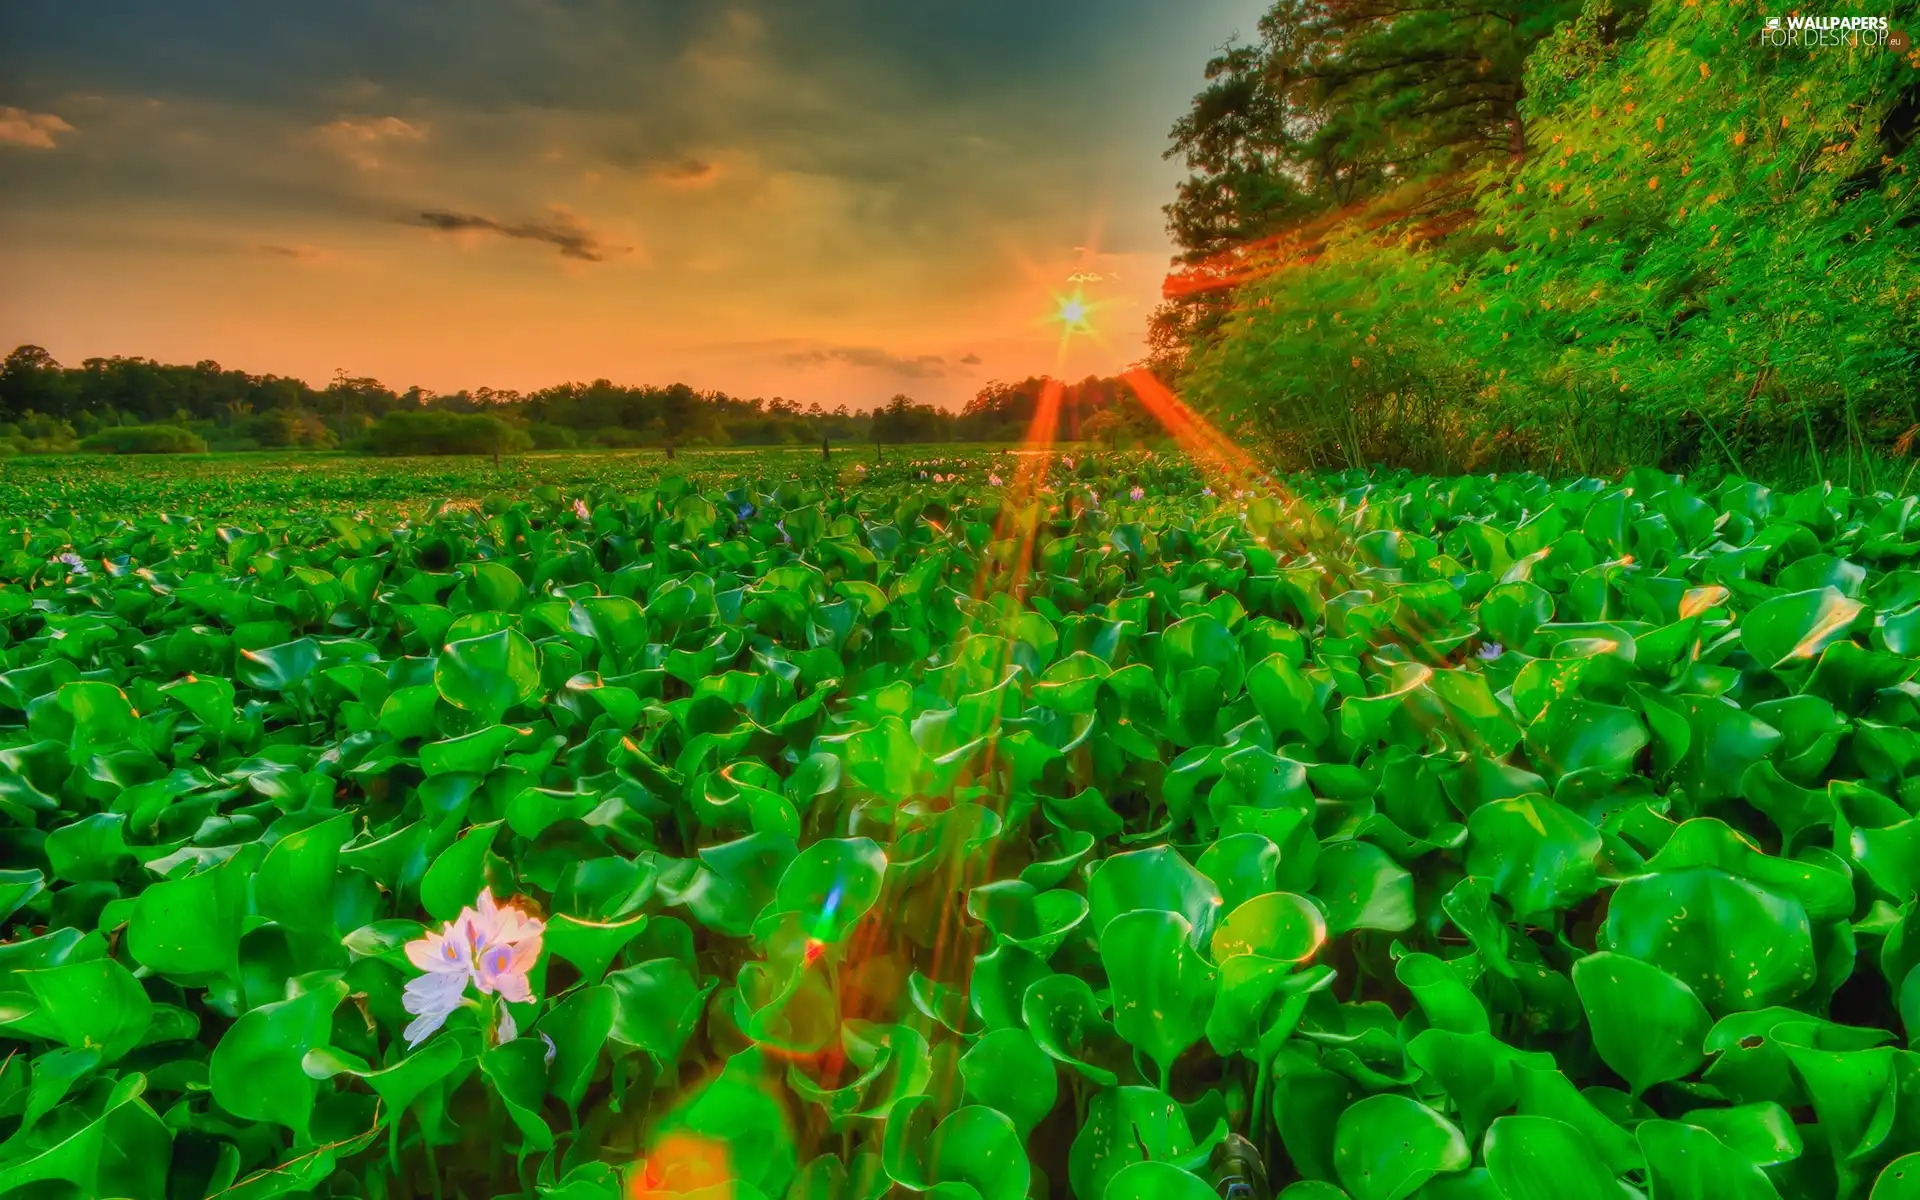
pixel 1773 22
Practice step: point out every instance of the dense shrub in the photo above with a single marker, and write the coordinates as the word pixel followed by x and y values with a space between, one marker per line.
pixel 552 437
pixel 287 427
pixel 144 439
pixel 613 437
pixel 445 433
pixel 1699 252
pixel 36 433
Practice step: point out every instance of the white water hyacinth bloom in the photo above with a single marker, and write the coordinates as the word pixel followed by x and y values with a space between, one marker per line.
pixel 490 945
pixel 993 480
pixel 580 510
pixel 1137 494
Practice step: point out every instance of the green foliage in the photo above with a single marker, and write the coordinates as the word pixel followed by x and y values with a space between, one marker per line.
pixel 1698 254
pixel 436 432
pixel 143 439
pixel 1426 837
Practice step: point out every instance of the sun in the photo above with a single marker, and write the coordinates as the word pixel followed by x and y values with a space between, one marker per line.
pixel 1074 314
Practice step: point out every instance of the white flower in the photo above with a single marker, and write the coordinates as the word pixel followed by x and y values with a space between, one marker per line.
pixel 1067 459
pixel 493 946
pixel 1207 491
pixel 1137 493
pixel 447 959
pixel 993 479
pixel 580 510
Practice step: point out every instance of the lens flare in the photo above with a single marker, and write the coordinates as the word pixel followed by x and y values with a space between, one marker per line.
pixel 1074 315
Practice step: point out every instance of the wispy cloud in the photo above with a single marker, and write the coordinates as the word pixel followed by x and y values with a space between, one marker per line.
pixel 36 131
pixel 690 171
pixel 361 140
pixel 918 366
pixel 300 252
pixel 561 229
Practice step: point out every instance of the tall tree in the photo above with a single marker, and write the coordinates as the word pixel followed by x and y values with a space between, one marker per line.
pixel 1375 111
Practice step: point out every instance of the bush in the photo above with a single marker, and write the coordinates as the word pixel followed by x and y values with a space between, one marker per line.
pixel 144 439
pixel 445 433
pixel 552 437
pixel 615 437
pixel 284 427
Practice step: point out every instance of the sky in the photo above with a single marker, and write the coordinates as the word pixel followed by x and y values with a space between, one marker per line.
pixel 826 200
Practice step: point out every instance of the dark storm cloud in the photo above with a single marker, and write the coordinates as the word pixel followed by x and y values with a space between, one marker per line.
pixel 562 230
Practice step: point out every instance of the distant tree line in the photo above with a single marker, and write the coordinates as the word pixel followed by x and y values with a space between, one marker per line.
pixel 49 408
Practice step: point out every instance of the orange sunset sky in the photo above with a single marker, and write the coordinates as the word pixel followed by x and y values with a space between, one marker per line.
pixel 829 201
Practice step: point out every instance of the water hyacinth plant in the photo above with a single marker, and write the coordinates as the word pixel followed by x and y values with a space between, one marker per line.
pixel 812 833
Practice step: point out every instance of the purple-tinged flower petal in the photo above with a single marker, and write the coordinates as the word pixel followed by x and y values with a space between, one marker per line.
pixel 449 950
pixel 431 998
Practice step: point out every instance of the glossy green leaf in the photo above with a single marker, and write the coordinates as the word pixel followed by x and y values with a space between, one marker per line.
pixel 1646 1024
pixel 1539 856
pixel 1008 1071
pixel 1688 1163
pixel 256 1070
pixel 1736 945
pixel 1163 990
pixel 1539 1158
pixel 1387 1146
pixel 1158 880
pixel 489 674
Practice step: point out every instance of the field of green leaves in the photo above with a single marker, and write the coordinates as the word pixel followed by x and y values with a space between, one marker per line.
pixel 998 826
